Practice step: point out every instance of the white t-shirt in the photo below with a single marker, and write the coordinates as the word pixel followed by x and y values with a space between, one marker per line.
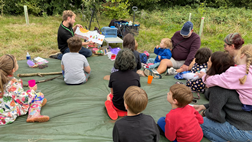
pixel 74 64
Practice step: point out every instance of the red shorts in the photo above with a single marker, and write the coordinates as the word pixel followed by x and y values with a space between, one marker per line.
pixel 120 112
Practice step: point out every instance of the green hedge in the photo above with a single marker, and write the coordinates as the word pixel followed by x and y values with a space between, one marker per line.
pixel 53 7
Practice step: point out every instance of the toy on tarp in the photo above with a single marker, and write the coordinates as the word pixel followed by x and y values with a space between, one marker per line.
pixel 97 51
pixel 112 53
pixel 192 76
pixel 111 56
pixel 37 62
pixel 114 50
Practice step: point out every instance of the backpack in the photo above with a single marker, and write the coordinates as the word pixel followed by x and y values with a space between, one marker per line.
pixel 143 57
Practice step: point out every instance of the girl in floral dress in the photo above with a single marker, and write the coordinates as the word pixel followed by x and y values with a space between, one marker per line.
pixel 14 101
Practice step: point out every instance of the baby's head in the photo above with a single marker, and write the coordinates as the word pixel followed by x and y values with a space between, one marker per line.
pixel 203 55
pixel 125 60
pixel 129 42
pixel 135 99
pixel 74 44
pixel 166 43
pixel 180 95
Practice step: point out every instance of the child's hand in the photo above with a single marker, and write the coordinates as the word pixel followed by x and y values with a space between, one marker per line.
pixel 179 70
pixel 201 74
pixel 33 88
pixel 199 107
pixel 159 57
pixel 157 46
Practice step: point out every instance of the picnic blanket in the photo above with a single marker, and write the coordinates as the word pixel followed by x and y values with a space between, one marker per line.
pixel 77 112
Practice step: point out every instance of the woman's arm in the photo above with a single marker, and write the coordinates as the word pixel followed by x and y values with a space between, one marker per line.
pixel 224 80
pixel 217 100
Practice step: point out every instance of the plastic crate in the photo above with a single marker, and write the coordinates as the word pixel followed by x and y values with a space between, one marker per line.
pixel 109 32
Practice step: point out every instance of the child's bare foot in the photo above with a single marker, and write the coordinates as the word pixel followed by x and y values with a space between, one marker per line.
pixel 40 118
pixel 141 73
pixel 106 77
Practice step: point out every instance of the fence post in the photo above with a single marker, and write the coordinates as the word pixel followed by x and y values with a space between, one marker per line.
pixel 26 15
pixel 201 26
pixel 190 15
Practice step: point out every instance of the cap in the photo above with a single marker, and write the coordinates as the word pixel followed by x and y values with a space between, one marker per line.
pixel 187 27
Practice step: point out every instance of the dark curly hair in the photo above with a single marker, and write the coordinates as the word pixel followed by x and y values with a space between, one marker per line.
pixel 221 61
pixel 129 42
pixel 203 55
pixel 125 60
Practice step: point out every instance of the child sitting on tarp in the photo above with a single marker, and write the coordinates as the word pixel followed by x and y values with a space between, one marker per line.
pixel 14 101
pixel 75 67
pixel 201 58
pixel 119 81
pixel 129 42
pixel 163 51
pixel 182 123
pixel 145 128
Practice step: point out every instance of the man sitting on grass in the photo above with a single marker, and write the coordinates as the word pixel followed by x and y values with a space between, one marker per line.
pixel 66 31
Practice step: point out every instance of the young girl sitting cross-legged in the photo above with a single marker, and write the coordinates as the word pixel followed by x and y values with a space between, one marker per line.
pixel 119 81
pixel 14 101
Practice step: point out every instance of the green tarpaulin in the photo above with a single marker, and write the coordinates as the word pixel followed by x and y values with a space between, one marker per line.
pixel 77 113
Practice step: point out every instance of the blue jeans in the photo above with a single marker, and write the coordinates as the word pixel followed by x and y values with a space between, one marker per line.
pixel 152 60
pixel 161 124
pixel 84 51
pixel 222 132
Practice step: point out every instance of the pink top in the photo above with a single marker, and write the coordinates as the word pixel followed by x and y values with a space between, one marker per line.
pixel 230 80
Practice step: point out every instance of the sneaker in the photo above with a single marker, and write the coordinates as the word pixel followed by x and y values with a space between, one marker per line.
pixel 152 72
pixel 54 56
pixel 171 71
pixel 144 65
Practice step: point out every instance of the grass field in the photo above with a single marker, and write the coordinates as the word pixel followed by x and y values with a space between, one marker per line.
pixel 40 37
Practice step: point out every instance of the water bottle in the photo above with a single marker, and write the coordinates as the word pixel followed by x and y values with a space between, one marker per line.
pixel 28 57
pixel 130 23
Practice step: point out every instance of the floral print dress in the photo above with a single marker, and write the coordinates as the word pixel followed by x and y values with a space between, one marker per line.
pixel 16 102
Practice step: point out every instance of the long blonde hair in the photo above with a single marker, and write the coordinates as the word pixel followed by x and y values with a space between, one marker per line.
pixel 7 64
pixel 246 50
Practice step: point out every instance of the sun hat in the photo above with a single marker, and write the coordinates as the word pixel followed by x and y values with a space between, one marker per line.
pixel 187 27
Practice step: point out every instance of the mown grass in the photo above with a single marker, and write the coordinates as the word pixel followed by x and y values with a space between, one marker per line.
pixel 40 37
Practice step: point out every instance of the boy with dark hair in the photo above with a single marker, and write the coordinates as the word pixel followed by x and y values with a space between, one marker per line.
pixel 135 127
pixel 75 67
pixel 182 122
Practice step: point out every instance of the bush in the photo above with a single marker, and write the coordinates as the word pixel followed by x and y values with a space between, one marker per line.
pixel 116 9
